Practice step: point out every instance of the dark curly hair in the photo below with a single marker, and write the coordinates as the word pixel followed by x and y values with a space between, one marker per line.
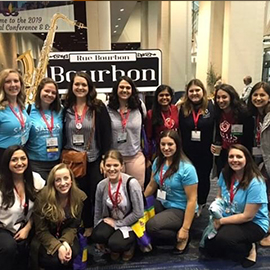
pixel 91 100
pixel 237 105
pixel 133 101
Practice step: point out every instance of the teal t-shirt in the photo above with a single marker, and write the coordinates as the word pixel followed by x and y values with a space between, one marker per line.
pixel 254 194
pixel 36 146
pixel 11 131
pixel 174 186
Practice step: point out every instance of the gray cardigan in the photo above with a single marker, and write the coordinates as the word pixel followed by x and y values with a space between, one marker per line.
pixel 102 211
pixel 265 142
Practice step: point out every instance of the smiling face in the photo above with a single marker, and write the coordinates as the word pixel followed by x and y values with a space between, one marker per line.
pixel 164 98
pixel 113 169
pixel 167 147
pixel 62 181
pixel 195 94
pixel 236 160
pixel 124 90
pixel 80 87
pixel 223 100
pixel 12 85
pixel 47 94
pixel 260 98
pixel 18 162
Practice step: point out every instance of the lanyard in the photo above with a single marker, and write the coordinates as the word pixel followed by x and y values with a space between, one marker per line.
pixel 25 205
pixel 161 179
pixel 258 130
pixel 20 118
pixel 168 123
pixel 115 199
pixel 124 119
pixel 77 120
pixel 196 118
pixel 50 127
pixel 232 194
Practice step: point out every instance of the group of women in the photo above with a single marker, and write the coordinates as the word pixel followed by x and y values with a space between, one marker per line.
pixel 182 141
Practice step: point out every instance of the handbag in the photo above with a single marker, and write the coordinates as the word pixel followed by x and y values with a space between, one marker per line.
pixel 77 161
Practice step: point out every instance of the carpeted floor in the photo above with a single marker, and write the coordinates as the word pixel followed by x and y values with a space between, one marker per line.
pixel 161 257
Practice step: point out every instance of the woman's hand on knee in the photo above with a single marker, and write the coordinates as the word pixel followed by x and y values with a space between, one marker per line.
pixel 217 224
pixel 87 232
pixel 22 234
pixel 109 221
pixel 182 234
pixel 62 252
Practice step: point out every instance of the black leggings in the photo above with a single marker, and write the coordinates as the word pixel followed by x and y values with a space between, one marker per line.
pixel 113 239
pixel 234 240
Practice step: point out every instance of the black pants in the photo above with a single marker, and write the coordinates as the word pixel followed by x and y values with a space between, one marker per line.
pixel 52 262
pixel 43 167
pixel 88 184
pixel 234 241
pixel 13 254
pixel 221 160
pixel 113 239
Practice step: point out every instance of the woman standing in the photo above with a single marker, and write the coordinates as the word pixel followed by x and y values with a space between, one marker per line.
pixel 116 209
pixel 18 187
pixel 45 140
pixel 245 219
pixel 127 112
pixel 87 129
pixel 14 121
pixel 175 180
pixel 196 120
pixel 233 124
pixel 57 217
pixel 259 105
pixel 163 115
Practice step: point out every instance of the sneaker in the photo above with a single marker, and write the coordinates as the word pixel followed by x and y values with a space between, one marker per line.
pixel 128 255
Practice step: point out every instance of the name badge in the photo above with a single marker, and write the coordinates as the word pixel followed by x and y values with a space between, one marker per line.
pixel 237 129
pixel 23 139
pixel 122 137
pixel 256 151
pixel 52 147
pixel 78 139
pixel 161 195
pixel 196 135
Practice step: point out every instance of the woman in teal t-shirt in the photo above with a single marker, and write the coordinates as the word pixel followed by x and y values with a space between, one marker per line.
pixel 175 180
pixel 245 218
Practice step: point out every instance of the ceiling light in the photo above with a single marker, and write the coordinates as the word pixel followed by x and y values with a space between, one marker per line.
pixel 121 10
pixel 119 19
pixel 117 26
pixel 114 31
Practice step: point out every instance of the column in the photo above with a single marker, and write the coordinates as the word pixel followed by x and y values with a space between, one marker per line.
pixel 98 20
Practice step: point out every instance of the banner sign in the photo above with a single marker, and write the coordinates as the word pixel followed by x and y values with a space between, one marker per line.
pixel 33 16
pixel 105 67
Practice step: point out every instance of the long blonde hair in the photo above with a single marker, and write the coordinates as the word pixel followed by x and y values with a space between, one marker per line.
pixel 3 98
pixel 51 209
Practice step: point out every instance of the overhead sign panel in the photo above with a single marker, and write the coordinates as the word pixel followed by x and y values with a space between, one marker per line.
pixel 34 16
pixel 105 67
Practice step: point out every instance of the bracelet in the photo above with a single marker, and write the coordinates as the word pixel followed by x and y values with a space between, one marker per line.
pixel 185 229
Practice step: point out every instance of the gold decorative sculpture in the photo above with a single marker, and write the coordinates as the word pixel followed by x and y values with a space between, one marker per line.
pixel 33 76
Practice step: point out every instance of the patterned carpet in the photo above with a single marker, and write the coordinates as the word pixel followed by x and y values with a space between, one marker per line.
pixel 161 257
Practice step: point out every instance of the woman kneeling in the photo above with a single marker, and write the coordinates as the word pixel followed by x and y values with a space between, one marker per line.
pixel 57 217
pixel 245 217
pixel 118 205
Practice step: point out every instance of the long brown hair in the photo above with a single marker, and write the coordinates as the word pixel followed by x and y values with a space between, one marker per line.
pixel 177 157
pixel 51 209
pixel 251 170
pixel 187 105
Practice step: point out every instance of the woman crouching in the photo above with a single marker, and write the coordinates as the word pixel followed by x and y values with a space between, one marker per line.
pixel 57 217
pixel 117 207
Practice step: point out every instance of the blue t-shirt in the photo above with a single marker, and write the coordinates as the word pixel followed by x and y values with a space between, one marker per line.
pixel 39 133
pixel 174 186
pixel 11 131
pixel 255 193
